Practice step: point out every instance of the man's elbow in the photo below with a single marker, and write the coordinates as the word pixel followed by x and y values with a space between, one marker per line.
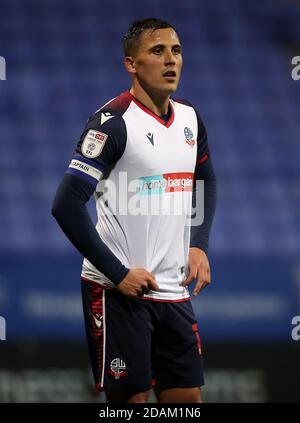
pixel 55 213
pixel 57 209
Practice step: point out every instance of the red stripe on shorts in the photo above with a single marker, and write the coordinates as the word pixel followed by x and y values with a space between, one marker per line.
pixel 98 328
pixel 196 332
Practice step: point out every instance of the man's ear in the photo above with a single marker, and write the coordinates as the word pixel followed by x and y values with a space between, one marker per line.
pixel 129 64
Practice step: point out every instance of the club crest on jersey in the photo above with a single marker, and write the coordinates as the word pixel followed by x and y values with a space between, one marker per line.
pixel 117 368
pixel 93 143
pixel 189 137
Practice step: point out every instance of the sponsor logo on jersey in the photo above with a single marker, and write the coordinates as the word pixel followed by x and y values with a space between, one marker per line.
pixel 117 368
pixel 93 143
pixel 168 182
pixel 189 137
pixel 150 138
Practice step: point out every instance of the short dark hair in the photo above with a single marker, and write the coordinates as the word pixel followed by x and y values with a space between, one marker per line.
pixel 132 37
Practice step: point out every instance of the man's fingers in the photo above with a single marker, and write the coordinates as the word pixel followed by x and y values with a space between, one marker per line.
pixel 190 278
pixel 197 289
pixel 153 285
pixel 208 275
pixel 146 288
pixel 143 289
pixel 188 281
pixel 203 280
pixel 151 282
pixel 200 285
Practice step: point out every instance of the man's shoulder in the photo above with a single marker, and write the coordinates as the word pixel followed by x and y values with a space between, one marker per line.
pixel 183 101
pixel 117 106
pixel 195 111
pixel 109 117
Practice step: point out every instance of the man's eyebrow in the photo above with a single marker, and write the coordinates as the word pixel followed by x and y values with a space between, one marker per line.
pixel 163 45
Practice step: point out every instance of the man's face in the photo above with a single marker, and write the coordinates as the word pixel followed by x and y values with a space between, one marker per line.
pixel 158 60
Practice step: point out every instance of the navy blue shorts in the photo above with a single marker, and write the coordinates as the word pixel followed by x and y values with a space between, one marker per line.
pixel 135 344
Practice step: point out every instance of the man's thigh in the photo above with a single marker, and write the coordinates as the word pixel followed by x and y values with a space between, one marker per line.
pixel 176 349
pixel 119 338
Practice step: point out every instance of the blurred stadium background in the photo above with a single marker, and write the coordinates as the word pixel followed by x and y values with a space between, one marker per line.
pixel 64 60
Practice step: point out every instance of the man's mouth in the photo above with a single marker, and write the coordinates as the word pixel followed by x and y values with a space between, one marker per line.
pixel 170 75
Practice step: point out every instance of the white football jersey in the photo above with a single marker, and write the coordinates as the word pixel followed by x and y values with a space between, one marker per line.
pixel 142 167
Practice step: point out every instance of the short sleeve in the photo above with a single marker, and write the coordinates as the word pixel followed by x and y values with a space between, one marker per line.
pixel 202 146
pixel 101 145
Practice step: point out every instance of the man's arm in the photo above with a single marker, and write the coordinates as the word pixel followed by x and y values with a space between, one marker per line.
pixel 70 211
pixel 200 234
pixel 199 268
pixel 86 169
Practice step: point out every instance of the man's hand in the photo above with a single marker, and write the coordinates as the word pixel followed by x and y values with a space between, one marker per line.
pixel 198 269
pixel 137 282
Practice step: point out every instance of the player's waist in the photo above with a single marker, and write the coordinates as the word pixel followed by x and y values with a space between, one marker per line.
pixel 170 290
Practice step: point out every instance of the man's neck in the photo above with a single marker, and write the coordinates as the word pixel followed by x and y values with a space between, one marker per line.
pixel 157 103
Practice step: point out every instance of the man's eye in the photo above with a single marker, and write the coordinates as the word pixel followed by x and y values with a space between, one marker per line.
pixel 177 50
pixel 157 50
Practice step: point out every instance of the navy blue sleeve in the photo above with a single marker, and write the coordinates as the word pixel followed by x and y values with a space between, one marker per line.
pixel 70 211
pixel 101 145
pixel 204 171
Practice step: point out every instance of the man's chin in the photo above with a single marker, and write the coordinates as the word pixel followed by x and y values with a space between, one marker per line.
pixel 169 89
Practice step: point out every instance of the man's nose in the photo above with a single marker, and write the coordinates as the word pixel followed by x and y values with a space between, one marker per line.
pixel 169 58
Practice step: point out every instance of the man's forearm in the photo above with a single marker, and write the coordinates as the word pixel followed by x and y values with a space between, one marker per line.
pixel 70 211
pixel 200 234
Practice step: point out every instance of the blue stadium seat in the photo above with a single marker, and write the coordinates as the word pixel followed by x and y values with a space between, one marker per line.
pixel 65 62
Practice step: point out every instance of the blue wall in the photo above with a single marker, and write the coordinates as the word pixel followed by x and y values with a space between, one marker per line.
pixel 248 301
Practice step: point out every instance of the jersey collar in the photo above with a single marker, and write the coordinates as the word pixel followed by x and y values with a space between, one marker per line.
pixel 167 123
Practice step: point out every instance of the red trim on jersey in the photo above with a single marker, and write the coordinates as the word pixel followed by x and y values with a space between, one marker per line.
pixel 164 301
pixel 98 285
pixel 120 103
pixel 203 159
pixel 85 279
pixel 147 110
